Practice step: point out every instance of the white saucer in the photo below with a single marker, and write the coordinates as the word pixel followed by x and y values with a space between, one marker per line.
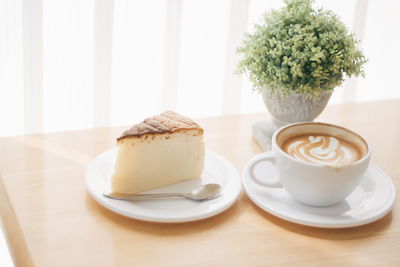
pixel 216 170
pixel 370 201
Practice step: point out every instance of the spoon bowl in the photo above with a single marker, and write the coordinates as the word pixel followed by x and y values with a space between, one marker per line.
pixel 203 192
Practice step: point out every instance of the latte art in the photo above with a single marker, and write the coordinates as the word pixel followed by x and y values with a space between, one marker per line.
pixel 322 149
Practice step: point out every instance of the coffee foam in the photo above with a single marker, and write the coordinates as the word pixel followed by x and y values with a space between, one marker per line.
pixel 322 149
pixel 315 129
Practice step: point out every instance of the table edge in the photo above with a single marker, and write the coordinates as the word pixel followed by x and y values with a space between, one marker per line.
pixel 12 231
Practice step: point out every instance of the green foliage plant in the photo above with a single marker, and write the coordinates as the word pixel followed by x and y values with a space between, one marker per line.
pixel 299 49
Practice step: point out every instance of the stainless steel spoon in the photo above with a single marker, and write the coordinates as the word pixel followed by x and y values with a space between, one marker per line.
pixel 202 193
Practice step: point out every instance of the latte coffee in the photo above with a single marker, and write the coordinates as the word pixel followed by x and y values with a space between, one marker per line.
pixel 318 164
pixel 322 149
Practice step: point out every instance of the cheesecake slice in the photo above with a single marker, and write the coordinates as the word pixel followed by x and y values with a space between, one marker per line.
pixel 161 150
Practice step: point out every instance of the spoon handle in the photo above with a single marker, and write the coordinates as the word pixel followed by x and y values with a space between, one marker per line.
pixel 121 196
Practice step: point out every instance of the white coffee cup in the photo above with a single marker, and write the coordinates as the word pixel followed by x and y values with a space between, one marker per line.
pixel 313 183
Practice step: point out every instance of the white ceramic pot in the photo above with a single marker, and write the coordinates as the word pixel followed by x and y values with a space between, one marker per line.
pixel 286 110
pixel 295 107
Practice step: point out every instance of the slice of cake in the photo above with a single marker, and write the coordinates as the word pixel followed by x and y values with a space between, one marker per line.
pixel 161 150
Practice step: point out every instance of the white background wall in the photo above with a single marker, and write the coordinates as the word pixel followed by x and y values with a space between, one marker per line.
pixel 78 64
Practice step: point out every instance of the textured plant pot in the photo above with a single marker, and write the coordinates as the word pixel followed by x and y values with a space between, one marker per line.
pixel 294 108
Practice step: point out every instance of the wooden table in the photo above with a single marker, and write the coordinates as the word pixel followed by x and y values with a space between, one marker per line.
pixel 50 219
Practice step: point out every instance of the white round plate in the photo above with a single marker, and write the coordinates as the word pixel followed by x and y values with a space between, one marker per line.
pixel 216 170
pixel 370 201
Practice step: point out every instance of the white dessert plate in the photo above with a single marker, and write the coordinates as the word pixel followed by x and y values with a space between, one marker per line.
pixel 216 170
pixel 370 201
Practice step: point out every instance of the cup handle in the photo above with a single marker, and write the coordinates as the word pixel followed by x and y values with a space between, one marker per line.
pixel 275 183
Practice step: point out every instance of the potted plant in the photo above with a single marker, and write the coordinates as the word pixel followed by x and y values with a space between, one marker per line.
pixel 296 57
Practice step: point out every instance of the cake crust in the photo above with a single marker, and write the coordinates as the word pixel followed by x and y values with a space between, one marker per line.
pixel 166 122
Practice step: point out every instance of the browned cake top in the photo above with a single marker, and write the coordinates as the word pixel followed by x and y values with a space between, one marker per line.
pixel 166 122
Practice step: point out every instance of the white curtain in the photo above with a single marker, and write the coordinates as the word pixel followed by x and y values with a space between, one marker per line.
pixel 75 64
